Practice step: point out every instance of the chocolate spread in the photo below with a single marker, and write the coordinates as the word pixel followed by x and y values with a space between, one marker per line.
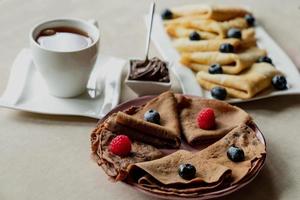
pixel 149 70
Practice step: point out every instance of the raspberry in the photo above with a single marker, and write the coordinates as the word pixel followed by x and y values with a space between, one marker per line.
pixel 120 145
pixel 206 119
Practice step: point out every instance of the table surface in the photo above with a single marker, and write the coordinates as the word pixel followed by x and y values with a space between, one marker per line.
pixel 48 157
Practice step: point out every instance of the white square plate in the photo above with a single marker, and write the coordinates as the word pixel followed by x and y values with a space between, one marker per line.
pixel 187 78
pixel 27 91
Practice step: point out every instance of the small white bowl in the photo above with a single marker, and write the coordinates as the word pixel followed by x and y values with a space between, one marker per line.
pixel 142 88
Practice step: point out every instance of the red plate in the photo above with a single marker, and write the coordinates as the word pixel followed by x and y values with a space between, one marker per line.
pixel 257 165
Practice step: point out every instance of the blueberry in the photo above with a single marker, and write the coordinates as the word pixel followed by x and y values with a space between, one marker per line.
pixel 187 171
pixel 226 48
pixel 152 116
pixel 194 36
pixel 250 19
pixel 218 93
pixel 235 154
pixel 234 33
pixel 167 14
pixel 265 59
pixel 279 82
pixel 215 69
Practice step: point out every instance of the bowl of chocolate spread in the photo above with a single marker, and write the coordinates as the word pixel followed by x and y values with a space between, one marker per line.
pixel 146 77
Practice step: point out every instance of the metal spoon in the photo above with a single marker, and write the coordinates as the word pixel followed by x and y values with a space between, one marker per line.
pixel 151 14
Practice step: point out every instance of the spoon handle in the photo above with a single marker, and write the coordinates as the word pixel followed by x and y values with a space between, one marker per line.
pixel 151 14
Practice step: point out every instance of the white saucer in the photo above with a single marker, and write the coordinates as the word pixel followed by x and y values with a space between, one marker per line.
pixel 27 91
pixel 187 78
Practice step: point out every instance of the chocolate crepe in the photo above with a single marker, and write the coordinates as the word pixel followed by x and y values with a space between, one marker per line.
pixel 165 135
pixel 113 165
pixel 227 118
pixel 214 169
pixel 149 136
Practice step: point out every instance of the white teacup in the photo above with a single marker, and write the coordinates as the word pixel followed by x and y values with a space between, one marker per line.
pixel 66 73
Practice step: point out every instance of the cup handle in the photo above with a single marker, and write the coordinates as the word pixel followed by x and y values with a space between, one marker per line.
pixel 94 22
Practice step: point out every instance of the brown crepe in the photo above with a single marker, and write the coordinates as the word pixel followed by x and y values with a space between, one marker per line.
pixel 148 128
pixel 165 170
pixel 227 118
pixel 115 166
pixel 166 105
pixel 244 137
pixel 140 134
pixel 212 165
pixel 132 123
pixel 148 181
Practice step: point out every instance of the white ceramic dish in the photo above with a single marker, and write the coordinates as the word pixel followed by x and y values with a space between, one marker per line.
pixel 142 88
pixel 187 78
pixel 27 91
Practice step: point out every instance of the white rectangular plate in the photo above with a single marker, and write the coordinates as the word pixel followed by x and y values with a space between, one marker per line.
pixel 27 91
pixel 187 78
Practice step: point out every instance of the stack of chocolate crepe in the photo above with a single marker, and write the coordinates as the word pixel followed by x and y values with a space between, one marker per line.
pixel 198 33
pixel 153 169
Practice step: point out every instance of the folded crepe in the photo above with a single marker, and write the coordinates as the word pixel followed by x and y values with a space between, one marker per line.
pixel 232 63
pixel 113 125
pixel 243 86
pixel 227 118
pixel 212 166
pixel 248 38
pixel 243 137
pixel 184 45
pixel 207 25
pixel 132 123
pixel 148 183
pixel 162 176
pixel 115 166
pixel 176 31
pixel 218 13
pixel 179 31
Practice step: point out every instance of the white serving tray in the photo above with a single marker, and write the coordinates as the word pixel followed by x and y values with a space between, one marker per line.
pixel 27 91
pixel 187 78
